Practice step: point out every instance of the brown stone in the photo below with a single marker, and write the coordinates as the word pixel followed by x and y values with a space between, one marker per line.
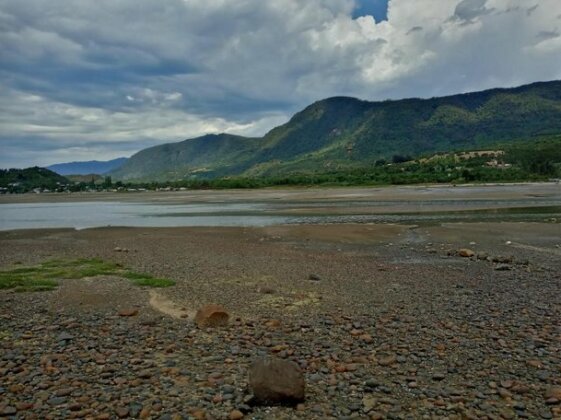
pixel 136 382
pixel 128 312
pixel 22 406
pixel 276 381
pixel 534 363
pixel 212 316
pixel 236 415
pixel 507 384
pixel 520 388
pixel 387 360
pixel 16 388
pixel 199 414
pixel 553 392
pixel 505 393
pixel 75 407
pixel 340 368
pixel 466 253
pixel 440 347
pixel 352 367
pixel 122 412
pixel 145 413
pixel 273 323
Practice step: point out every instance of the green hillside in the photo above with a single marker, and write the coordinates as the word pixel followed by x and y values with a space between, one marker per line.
pixel 23 180
pixel 345 133
pixel 205 157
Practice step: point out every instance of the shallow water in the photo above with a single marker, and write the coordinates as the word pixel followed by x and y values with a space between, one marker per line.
pixel 82 215
pixel 95 214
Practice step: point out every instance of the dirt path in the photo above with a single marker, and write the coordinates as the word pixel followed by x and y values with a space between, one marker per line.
pixel 166 306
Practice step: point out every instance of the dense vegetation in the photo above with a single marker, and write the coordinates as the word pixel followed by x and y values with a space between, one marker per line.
pixel 43 180
pixel 524 160
pixel 189 158
pixel 535 160
pixel 343 135
pixel 23 180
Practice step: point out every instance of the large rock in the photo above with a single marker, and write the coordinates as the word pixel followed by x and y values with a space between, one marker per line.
pixel 276 381
pixel 466 253
pixel 211 316
pixel 553 392
pixel 128 312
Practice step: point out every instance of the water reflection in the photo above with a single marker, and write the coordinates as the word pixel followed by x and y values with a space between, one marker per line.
pixel 97 214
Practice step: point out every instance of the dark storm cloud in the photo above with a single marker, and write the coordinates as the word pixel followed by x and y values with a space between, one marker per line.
pixel 468 10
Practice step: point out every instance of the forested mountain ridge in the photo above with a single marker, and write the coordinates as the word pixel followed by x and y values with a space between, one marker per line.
pixel 341 132
pixel 87 167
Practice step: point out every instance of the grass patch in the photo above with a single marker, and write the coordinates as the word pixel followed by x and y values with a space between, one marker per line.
pixel 147 280
pixel 44 276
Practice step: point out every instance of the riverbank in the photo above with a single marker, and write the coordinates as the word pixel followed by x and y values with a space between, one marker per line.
pixel 254 208
pixel 385 320
pixel 466 192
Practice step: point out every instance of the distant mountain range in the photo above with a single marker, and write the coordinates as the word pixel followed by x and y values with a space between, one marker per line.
pixel 87 168
pixel 340 133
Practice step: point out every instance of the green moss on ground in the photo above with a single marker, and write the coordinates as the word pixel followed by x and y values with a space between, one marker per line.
pixel 44 276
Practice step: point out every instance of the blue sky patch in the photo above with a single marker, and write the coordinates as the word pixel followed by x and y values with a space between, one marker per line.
pixel 376 8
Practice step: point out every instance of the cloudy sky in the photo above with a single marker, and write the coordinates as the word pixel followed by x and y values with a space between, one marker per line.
pixel 99 79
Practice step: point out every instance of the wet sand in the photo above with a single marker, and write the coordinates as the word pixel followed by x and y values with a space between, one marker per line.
pixel 471 193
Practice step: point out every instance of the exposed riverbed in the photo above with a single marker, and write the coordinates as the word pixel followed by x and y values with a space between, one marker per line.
pixel 520 202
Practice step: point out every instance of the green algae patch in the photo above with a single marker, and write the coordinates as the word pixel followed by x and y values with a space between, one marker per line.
pixel 45 276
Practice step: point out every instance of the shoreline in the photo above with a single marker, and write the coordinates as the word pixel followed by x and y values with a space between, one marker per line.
pixel 505 190
pixel 317 206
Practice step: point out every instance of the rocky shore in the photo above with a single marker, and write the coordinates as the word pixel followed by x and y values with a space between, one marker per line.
pixel 384 321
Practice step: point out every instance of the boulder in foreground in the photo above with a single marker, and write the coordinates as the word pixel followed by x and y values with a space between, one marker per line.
pixel 212 316
pixel 128 312
pixel 466 253
pixel 276 381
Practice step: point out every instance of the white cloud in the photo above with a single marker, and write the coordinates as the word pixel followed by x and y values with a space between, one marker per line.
pixel 64 129
pixel 111 72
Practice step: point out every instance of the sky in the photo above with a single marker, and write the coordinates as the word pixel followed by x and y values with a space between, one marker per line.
pixel 99 79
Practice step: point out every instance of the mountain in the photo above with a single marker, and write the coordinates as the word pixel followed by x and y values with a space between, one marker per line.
pixel 341 132
pixel 86 168
pixel 21 180
pixel 86 179
pixel 211 154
